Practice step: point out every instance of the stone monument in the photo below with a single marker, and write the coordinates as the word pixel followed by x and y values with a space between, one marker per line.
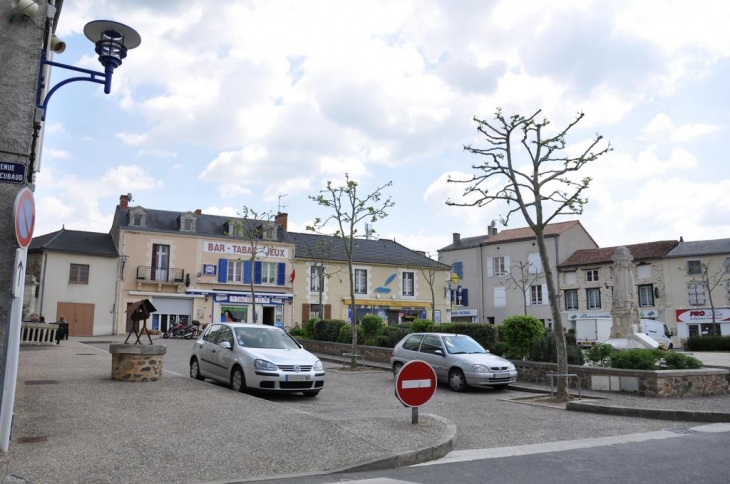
pixel 625 311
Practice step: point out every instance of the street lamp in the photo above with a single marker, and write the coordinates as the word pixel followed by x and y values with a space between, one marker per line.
pixel 112 40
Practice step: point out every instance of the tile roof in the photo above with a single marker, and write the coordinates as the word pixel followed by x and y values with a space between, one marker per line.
pixel 643 251
pixel 701 247
pixel 512 235
pixel 382 251
pixel 75 241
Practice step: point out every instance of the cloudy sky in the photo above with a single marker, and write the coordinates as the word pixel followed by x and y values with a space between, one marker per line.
pixel 260 103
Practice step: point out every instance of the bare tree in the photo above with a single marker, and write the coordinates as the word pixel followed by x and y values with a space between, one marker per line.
pixel 256 229
pixel 348 209
pixel 544 181
pixel 710 280
pixel 521 276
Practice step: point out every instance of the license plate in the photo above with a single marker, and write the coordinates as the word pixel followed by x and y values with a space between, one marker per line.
pixel 297 377
pixel 501 375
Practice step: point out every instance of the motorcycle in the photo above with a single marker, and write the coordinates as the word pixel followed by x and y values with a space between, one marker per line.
pixel 179 331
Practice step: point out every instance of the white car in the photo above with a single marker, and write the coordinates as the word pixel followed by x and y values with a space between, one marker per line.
pixel 256 357
pixel 456 358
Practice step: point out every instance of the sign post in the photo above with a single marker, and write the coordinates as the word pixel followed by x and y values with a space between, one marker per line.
pixel 415 384
pixel 24 216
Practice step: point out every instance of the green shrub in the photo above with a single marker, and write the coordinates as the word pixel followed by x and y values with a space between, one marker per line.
pixel 500 348
pixel 544 349
pixel 394 334
pixel 600 354
pixel 520 332
pixel 345 334
pixel 309 327
pixel 328 329
pixel 383 341
pixel 371 326
pixel 421 326
pixel 298 332
pixel 634 359
pixel 679 361
pixel 444 328
pixel 708 343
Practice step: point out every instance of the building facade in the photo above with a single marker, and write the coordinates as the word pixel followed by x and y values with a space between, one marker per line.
pixel 72 273
pixel 586 283
pixel 390 280
pixel 501 272
pixel 698 279
pixel 194 266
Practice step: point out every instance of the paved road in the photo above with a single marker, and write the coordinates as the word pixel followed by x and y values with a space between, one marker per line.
pixel 484 418
pixel 657 457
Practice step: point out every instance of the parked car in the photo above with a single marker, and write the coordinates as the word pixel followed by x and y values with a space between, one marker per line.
pixel 456 358
pixel 255 356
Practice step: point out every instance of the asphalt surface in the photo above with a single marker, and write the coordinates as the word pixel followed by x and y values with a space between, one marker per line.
pixel 74 424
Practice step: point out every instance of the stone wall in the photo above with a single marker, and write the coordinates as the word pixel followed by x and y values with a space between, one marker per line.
pixel 370 353
pixel 659 383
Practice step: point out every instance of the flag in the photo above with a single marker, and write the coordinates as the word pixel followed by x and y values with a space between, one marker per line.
pixel 293 274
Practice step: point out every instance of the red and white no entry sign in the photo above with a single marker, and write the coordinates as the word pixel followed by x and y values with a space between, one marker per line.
pixel 415 383
pixel 24 216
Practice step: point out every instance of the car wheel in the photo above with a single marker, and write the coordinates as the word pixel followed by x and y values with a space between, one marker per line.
pixel 457 381
pixel 397 366
pixel 238 381
pixel 499 387
pixel 311 393
pixel 195 370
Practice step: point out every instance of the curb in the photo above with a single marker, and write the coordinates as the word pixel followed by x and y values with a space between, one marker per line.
pixel 443 446
pixel 677 415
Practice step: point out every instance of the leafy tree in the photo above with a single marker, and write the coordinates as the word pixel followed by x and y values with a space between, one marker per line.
pixel 520 332
pixel 521 276
pixel 256 229
pixel 539 185
pixel 349 209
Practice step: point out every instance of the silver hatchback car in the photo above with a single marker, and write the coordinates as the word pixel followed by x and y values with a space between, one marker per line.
pixel 456 358
pixel 256 357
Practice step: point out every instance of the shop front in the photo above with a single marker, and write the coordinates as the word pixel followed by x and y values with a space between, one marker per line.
pixel 392 312
pixel 238 306
pixel 698 322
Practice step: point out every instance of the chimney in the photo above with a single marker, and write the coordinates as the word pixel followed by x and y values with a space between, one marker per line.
pixel 124 202
pixel 457 238
pixel 198 212
pixel 493 231
pixel 281 219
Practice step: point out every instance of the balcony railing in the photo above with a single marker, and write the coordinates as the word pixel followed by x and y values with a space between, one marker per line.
pixel 152 274
pixel 38 333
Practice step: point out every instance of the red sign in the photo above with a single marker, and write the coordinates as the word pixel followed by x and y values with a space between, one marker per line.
pixel 24 216
pixel 415 383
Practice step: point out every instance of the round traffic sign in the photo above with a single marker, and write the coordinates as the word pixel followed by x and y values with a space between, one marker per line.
pixel 415 383
pixel 24 216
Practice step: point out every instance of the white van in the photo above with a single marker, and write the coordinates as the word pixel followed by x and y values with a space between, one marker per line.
pixel 657 331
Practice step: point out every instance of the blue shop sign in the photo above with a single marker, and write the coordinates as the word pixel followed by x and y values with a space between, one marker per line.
pixel 209 269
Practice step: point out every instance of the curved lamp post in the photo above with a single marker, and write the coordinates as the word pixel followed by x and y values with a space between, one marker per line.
pixel 112 40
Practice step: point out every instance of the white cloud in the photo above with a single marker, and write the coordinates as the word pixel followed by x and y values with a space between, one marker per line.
pixel 662 125
pixel 60 154
pixel 158 153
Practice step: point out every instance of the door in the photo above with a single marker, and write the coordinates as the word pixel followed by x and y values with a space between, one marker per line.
pixel 80 317
pixel 430 344
pixel 223 357
pixel 206 351
pixel 160 262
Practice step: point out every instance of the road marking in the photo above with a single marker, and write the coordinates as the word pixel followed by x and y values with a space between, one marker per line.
pixel 496 453
pixel 415 384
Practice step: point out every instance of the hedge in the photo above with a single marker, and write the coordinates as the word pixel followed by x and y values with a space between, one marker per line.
pixel 708 343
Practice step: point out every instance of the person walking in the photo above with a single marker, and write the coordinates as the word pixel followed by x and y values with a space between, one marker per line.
pixel 62 332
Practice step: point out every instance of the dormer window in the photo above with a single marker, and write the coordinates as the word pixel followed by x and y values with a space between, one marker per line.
pixel 187 222
pixel 137 217
pixel 270 233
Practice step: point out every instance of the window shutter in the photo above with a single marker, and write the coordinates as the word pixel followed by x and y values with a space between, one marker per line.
pixel 257 269
pixel 327 311
pixel 490 267
pixel 544 294
pixel 281 273
pixel 222 270
pixel 247 272
pixel 465 297
pixel 459 269
pixel 507 265
pixel 305 313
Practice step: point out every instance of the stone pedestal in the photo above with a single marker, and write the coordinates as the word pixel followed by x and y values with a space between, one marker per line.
pixel 137 362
